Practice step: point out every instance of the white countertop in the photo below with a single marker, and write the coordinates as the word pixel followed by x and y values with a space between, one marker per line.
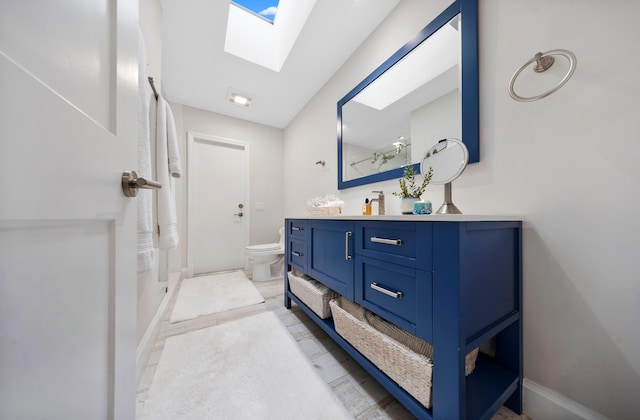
pixel 421 217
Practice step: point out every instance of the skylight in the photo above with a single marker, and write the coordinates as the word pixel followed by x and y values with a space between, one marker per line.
pixel 265 9
pixel 262 41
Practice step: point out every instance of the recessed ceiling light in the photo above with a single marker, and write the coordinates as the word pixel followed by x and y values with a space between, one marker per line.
pixel 240 99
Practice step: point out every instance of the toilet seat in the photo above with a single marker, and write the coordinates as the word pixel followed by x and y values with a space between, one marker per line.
pixel 264 247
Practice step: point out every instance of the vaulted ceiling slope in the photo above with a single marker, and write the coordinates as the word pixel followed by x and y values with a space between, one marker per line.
pixel 197 72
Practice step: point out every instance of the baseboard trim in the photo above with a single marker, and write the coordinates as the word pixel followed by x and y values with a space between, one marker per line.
pixel 544 403
pixel 145 347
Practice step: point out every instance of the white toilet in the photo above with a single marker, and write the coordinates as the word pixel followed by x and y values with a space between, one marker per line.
pixel 266 255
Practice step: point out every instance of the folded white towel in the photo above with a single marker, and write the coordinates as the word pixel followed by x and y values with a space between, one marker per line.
pixel 326 201
pixel 334 203
pixel 167 233
pixel 145 254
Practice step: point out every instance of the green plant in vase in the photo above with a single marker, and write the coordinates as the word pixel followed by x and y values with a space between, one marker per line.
pixel 410 190
pixel 408 186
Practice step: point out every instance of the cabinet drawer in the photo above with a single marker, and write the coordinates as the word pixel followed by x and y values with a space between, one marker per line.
pixel 402 295
pixel 297 254
pixel 297 228
pixel 405 243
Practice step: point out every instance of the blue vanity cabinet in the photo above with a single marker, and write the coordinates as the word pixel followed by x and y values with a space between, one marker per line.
pixel 331 254
pixel 454 281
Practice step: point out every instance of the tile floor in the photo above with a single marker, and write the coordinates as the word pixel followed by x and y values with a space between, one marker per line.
pixel 361 395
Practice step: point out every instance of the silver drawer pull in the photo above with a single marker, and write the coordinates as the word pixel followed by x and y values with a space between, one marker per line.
pixel 347 235
pixel 296 228
pixel 296 254
pixel 395 295
pixel 386 241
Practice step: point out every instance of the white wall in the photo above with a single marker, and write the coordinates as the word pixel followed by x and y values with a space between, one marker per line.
pixel 151 25
pixel 266 169
pixel 568 164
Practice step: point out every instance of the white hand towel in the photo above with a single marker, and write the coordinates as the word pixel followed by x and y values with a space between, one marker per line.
pixel 175 166
pixel 145 198
pixel 167 233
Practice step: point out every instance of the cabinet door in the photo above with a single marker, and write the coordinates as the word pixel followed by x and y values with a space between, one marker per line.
pixel 331 255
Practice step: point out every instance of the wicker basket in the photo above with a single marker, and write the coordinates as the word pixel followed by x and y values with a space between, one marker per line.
pixel 404 357
pixel 323 211
pixel 315 295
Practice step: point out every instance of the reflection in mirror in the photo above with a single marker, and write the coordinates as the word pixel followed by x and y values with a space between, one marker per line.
pixel 365 161
pixel 447 159
pixel 411 101
pixel 413 104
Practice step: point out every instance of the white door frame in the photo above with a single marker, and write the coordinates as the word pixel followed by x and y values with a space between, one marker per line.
pixel 191 139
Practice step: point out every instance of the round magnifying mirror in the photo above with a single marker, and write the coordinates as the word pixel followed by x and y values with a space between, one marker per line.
pixel 447 158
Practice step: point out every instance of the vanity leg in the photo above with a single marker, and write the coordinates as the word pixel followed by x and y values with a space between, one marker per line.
pixel 449 392
pixel 509 354
pixel 509 341
pixel 287 299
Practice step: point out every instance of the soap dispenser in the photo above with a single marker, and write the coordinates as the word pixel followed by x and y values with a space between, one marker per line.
pixel 366 208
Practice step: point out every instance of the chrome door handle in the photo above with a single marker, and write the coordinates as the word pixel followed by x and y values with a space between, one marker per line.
pixel 239 214
pixel 131 182
pixel 347 235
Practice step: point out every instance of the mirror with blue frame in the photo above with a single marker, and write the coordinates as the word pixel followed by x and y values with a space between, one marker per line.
pixel 426 91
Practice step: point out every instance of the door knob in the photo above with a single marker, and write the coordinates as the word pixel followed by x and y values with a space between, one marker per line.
pixel 239 214
pixel 131 182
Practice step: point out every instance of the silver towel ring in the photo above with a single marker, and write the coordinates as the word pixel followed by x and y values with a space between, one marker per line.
pixel 543 61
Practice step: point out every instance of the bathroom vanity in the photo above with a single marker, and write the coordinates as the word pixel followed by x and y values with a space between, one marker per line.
pixel 454 281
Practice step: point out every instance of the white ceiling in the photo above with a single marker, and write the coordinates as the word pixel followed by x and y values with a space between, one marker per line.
pixel 197 72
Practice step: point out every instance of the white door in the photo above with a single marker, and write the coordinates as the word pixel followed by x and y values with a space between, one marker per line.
pixel 68 80
pixel 218 207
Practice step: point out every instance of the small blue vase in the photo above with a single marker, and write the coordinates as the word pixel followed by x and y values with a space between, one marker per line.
pixel 422 207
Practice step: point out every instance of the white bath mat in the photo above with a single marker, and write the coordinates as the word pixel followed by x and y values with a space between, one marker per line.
pixel 215 293
pixel 245 369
